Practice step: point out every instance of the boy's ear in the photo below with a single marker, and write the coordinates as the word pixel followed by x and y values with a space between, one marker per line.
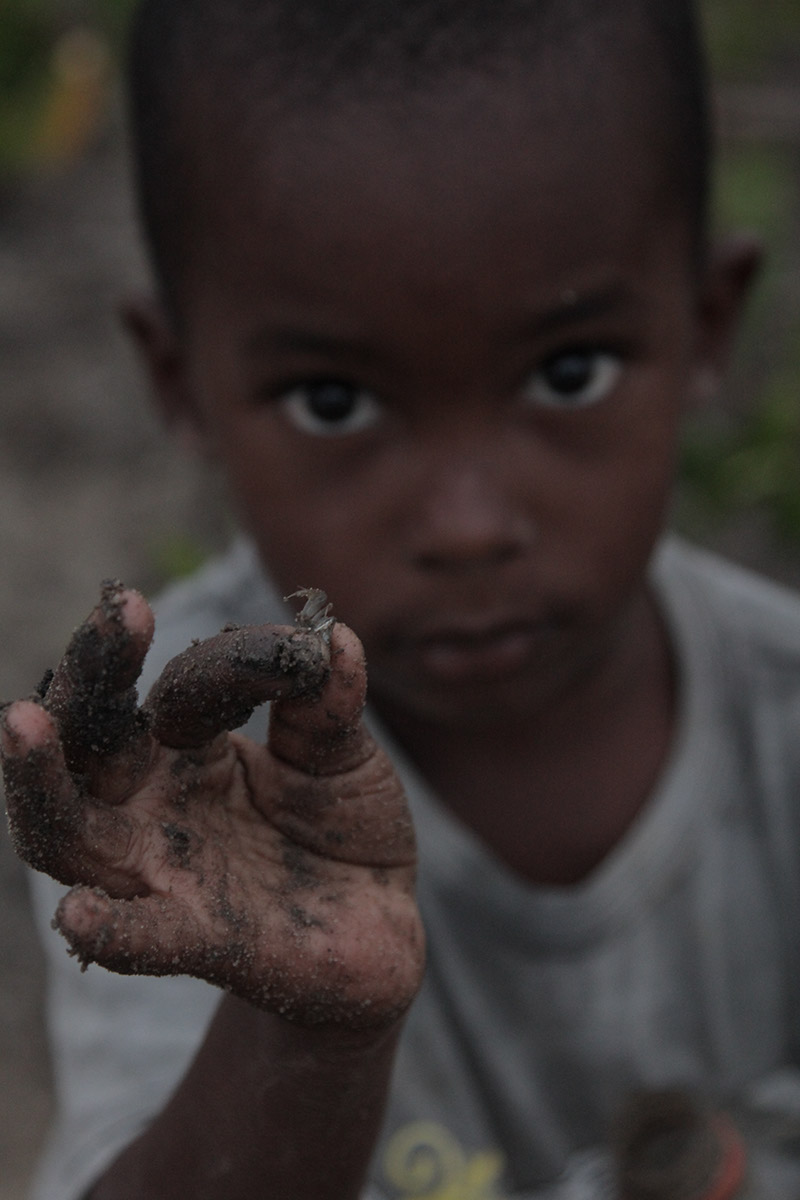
pixel 161 352
pixel 725 287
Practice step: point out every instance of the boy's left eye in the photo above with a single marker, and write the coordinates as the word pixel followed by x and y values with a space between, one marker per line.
pixel 574 379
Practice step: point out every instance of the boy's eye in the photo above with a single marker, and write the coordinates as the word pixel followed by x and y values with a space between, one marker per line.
pixel 329 408
pixel 574 379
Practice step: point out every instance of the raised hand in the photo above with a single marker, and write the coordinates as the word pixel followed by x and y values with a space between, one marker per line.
pixel 283 873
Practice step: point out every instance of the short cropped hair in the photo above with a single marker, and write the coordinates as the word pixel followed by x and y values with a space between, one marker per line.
pixel 297 55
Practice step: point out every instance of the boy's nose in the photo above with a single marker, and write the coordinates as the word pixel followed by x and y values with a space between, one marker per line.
pixel 466 519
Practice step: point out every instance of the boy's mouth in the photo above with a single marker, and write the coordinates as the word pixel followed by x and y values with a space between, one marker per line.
pixel 475 655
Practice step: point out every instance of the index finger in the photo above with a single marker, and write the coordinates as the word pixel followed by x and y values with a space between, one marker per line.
pixel 215 684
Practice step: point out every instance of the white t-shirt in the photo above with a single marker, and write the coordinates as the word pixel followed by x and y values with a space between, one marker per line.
pixel 674 963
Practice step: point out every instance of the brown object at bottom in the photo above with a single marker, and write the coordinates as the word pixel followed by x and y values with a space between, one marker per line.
pixel 670 1146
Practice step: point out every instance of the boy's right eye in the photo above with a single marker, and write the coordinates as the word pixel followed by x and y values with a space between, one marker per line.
pixel 330 408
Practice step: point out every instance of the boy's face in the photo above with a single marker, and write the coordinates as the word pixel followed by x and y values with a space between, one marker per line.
pixel 443 366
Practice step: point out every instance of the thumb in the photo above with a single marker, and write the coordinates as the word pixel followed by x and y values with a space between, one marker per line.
pixel 323 734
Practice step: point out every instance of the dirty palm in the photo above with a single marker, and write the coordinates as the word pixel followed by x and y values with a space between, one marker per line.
pixel 192 850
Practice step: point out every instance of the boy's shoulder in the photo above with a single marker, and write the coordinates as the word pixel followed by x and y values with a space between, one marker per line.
pixel 744 595
pixel 750 622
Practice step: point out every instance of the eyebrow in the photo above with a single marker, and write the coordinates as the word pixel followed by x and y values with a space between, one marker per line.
pixel 291 340
pixel 574 307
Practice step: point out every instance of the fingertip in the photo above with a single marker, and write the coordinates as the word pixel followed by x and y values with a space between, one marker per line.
pixel 138 936
pixel 345 641
pixel 25 725
pixel 78 909
pixel 135 614
pixel 348 667
pixel 83 918
pixel 92 693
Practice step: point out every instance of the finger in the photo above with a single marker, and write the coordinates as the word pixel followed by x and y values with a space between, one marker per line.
pixel 216 684
pixel 92 694
pixel 160 935
pixel 323 734
pixel 53 826
pixel 44 807
pixel 150 935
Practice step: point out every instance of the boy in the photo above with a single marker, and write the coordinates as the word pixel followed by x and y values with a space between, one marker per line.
pixel 435 290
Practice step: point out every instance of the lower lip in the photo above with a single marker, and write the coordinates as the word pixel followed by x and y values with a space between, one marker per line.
pixel 465 660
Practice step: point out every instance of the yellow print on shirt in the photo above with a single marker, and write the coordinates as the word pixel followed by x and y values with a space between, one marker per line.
pixel 425 1162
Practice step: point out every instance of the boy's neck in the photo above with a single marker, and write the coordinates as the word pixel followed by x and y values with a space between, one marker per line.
pixel 552 795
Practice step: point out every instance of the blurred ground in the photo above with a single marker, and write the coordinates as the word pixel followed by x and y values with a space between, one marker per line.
pixel 90 488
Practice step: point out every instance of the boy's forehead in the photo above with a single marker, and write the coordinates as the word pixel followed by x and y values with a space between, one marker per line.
pixel 493 206
pixel 251 103
pixel 477 140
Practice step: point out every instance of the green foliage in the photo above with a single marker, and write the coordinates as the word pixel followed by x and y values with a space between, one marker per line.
pixel 23 44
pixel 746 455
pixel 25 41
pixel 176 555
pixel 754 189
pixel 753 463
pixel 747 40
pixel 47 110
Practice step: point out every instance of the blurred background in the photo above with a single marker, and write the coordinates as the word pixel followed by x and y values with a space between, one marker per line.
pixel 88 486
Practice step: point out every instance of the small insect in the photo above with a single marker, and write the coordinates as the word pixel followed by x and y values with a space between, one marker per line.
pixel 315 615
